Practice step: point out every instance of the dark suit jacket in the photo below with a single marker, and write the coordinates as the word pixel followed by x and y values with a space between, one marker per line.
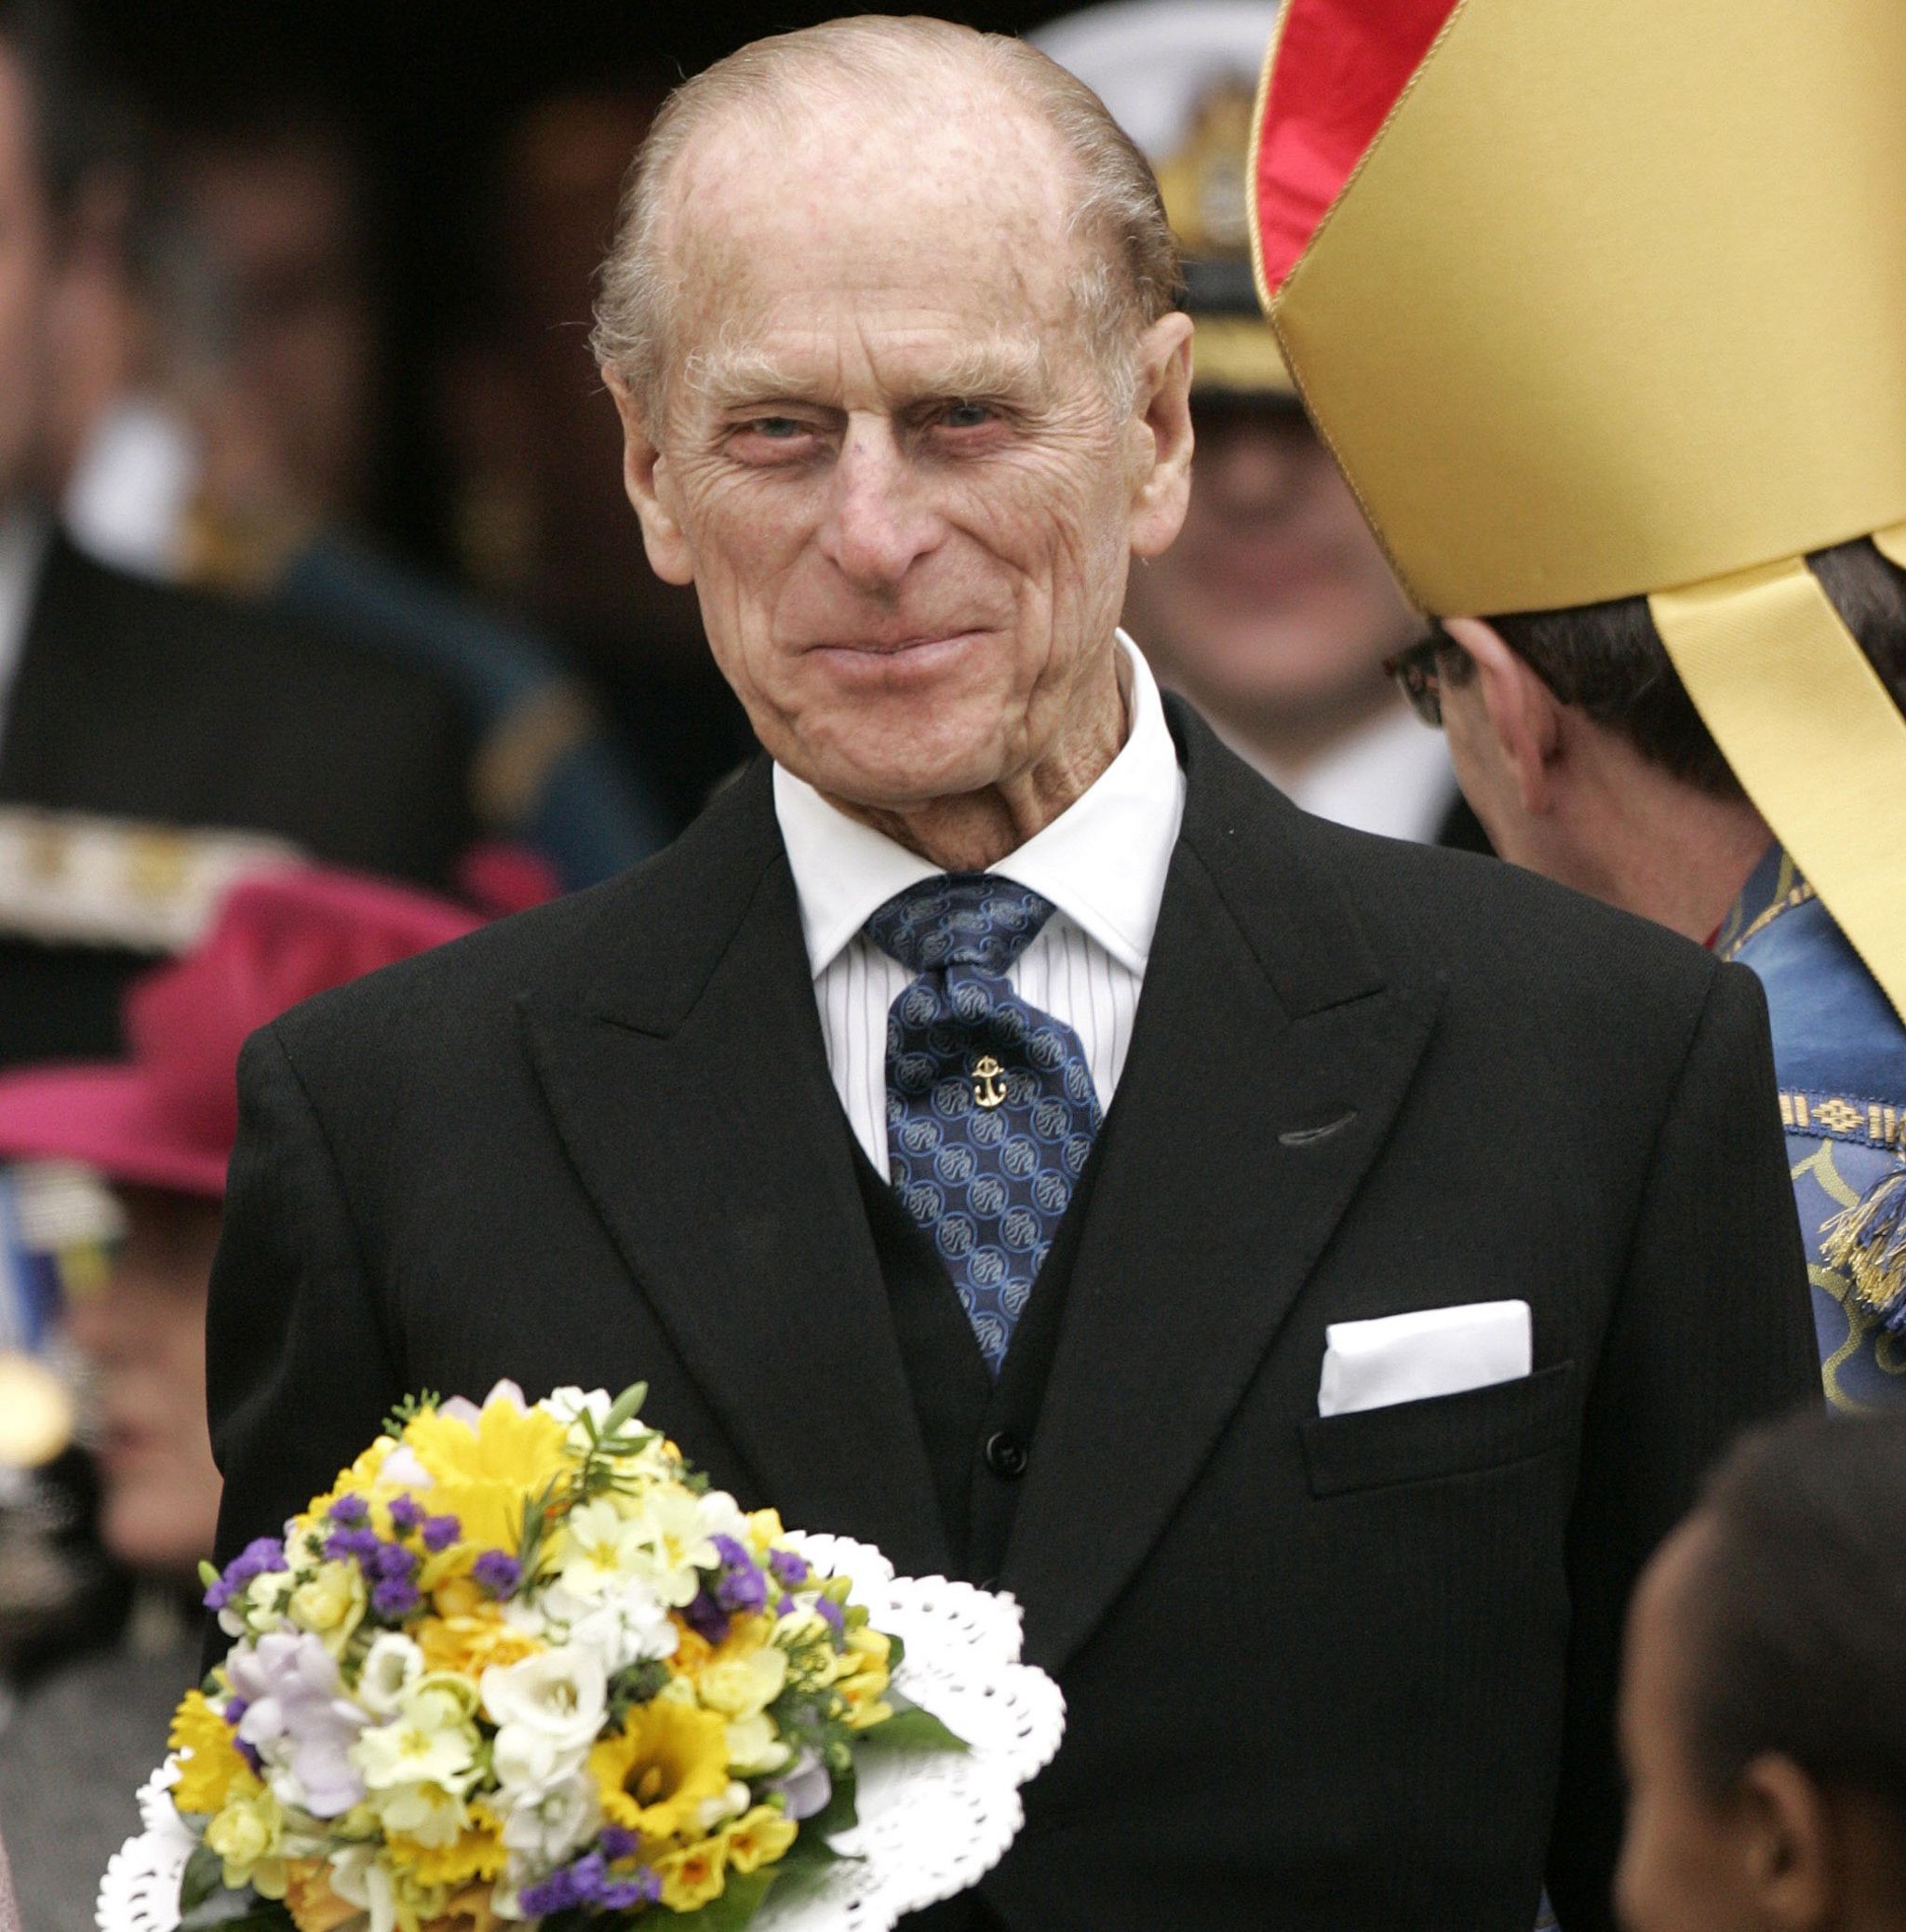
pixel 1342 1673
pixel 136 700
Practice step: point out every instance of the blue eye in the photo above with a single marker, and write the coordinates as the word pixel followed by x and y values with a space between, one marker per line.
pixel 780 427
pixel 966 415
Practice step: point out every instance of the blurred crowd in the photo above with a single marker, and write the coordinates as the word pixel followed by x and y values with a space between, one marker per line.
pixel 250 748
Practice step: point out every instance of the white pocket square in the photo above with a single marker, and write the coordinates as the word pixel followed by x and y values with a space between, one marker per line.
pixel 1429 1351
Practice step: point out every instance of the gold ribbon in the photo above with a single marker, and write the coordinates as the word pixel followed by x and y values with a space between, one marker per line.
pixel 1812 734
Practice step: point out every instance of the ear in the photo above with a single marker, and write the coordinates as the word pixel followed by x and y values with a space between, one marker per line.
pixel 644 476
pixel 1161 424
pixel 1790 1845
pixel 1523 714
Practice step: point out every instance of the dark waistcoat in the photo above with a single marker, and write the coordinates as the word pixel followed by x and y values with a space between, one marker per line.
pixel 981 1435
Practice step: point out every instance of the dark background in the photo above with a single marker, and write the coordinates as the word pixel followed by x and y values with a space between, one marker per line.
pixel 428 87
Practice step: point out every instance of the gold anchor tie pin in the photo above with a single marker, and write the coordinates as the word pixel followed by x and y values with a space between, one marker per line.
pixel 988 1087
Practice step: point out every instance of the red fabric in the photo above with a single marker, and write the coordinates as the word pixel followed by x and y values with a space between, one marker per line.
pixel 168 1119
pixel 1341 65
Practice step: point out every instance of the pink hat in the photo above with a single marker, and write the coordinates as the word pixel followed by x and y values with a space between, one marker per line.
pixel 167 1117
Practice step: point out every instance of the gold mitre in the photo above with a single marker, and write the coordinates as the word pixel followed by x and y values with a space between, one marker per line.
pixel 1599 300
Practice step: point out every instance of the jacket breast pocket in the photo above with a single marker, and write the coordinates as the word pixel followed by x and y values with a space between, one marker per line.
pixel 1443 1435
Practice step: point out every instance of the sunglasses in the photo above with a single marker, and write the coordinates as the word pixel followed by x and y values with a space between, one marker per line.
pixel 1418 676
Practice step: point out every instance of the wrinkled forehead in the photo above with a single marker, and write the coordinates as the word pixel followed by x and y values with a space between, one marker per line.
pixel 962 222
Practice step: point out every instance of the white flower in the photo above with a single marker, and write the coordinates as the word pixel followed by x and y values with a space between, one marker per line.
pixel 391 1665
pixel 712 1813
pixel 529 1763
pixel 547 1827
pixel 723 1516
pixel 570 1406
pixel 402 1467
pixel 628 1627
pixel 429 1740
pixel 675 1544
pixel 601 1547
pixel 562 1694
pixel 753 1748
pixel 426 1812
pixel 360 1878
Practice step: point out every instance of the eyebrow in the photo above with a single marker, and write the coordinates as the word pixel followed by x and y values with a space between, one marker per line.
pixel 1005 366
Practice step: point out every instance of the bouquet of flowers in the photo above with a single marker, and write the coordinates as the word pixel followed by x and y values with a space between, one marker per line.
pixel 520 1664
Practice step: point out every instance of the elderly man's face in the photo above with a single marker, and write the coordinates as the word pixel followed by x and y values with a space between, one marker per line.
pixel 888 461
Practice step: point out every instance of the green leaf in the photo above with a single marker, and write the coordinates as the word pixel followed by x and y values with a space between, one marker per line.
pixel 913 1729
pixel 838 1815
pixel 625 1407
pixel 205 1874
pixel 740 1900
pixel 207 1573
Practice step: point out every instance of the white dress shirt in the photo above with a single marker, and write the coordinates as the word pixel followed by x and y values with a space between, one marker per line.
pixel 1392 776
pixel 1102 863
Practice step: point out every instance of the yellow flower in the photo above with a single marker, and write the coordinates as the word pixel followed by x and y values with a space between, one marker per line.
pixel 764 1532
pixel 654 1773
pixel 478 1853
pixel 759 1838
pixel 332 1605
pixel 214 1771
pixel 693 1875
pixel 469 1910
pixel 361 1478
pixel 483 1474
pixel 310 1900
pixel 864 1678
pixel 470 1641
pixel 247 1834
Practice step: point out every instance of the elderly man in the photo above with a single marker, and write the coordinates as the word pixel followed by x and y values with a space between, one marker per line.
pixel 1002 1128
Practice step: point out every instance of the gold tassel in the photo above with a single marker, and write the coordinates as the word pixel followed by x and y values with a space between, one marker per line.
pixel 1869 1242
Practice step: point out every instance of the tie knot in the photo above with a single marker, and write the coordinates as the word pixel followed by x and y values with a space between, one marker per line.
pixel 960 919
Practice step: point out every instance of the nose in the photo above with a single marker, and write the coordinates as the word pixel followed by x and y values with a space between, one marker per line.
pixel 878 522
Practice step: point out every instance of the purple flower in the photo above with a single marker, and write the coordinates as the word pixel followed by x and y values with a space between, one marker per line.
pixel 498 1571
pixel 297 1717
pixel 406 1514
pixel 706 1617
pixel 236 1708
pixel 395 1598
pixel 440 1531
pixel 805 1787
pixel 258 1557
pixel 627 1894
pixel 740 1587
pixel 392 1561
pixel 589 1882
pixel 791 1569
pixel 828 1611
pixel 352 1545
pixel 349 1508
pixel 618 1841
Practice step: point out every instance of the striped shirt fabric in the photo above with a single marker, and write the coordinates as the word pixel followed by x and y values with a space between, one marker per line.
pixel 1102 863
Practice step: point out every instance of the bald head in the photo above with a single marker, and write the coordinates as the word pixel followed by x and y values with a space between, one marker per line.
pixel 988 143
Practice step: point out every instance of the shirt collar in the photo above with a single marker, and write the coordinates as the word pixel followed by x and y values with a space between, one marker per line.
pixel 1102 862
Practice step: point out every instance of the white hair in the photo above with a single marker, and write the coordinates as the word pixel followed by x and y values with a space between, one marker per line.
pixel 1130 279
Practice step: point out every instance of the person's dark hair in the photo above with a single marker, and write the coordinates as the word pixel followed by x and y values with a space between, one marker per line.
pixel 71 131
pixel 1794 1606
pixel 1609 660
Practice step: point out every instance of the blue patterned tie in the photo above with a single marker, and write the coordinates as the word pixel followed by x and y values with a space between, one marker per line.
pixel 990 1105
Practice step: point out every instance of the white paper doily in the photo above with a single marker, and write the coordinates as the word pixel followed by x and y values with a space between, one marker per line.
pixel 931 1823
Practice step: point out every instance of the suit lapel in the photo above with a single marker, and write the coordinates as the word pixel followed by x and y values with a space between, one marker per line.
pixel 1268 1061
pixel 684 1068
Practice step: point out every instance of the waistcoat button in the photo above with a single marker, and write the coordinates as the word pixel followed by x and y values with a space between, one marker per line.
pixel 1005 1454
